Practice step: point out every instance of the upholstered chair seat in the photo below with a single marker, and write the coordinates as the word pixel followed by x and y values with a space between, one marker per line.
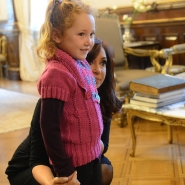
pixel 174 69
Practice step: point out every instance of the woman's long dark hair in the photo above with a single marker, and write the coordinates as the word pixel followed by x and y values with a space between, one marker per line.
pixel 109 102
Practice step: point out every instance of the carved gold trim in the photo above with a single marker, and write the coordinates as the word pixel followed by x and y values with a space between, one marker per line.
pixel 160 5
pixel 170 4
pixel 169 1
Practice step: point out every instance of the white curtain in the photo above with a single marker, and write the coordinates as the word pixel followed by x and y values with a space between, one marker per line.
pixel 26 11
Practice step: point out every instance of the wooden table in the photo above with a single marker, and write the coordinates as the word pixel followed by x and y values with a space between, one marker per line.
pixel 172 115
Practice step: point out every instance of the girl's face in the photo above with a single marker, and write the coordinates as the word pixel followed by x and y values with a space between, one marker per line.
pixel 98 67
pixel 78 40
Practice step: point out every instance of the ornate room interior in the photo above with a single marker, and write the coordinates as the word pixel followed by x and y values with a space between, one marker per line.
pixel 163 25
pixel 154 33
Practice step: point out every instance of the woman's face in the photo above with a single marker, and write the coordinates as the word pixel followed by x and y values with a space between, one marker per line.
pixel 98 67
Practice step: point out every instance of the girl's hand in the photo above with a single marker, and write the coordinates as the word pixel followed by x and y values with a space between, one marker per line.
pixel 59 180
pixel 71 180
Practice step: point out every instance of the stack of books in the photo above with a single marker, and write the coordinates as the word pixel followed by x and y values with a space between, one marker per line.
pixel 157 91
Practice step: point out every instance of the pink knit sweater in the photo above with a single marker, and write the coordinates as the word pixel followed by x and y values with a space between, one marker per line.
pixel 81 123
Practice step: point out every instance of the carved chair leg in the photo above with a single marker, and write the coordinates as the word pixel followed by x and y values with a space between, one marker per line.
pixel 170 134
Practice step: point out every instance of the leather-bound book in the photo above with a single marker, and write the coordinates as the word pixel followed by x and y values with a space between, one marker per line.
pixel 157 84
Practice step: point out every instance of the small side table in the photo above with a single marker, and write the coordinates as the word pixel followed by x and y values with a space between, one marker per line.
pixel 172 115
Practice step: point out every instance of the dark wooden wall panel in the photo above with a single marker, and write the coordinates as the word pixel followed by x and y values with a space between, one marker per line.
pixel 165 24
pixel 168 34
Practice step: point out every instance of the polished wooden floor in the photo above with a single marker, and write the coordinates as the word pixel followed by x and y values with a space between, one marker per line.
pixel 156 162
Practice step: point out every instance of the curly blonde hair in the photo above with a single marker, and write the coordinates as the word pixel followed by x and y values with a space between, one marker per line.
pixel 60 14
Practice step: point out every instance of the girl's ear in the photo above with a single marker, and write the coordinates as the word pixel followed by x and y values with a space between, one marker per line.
pixel 56 36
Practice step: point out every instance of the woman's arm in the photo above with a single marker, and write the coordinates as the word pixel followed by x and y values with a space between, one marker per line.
pixel 102 147
pixel 105 136
pixel 44 176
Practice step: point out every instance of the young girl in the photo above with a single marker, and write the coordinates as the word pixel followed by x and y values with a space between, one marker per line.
pixel 30 159
pixel 70 120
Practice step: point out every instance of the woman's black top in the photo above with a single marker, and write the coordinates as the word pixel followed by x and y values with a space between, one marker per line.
pixel 31 152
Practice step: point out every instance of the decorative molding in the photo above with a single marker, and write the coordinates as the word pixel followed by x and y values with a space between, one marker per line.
pixel 171 5
pixel 175 4
pixel 159 21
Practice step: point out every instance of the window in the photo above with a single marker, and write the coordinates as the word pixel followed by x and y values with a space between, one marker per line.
pixel 37 13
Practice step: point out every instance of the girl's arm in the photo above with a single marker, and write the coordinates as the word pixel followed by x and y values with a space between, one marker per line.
pixel 38 157
pixel 50 121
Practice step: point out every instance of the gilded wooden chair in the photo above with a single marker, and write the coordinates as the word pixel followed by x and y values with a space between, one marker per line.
pixel 108 29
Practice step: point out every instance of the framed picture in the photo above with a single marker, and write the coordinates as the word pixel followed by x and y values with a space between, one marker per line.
pixel 3 11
